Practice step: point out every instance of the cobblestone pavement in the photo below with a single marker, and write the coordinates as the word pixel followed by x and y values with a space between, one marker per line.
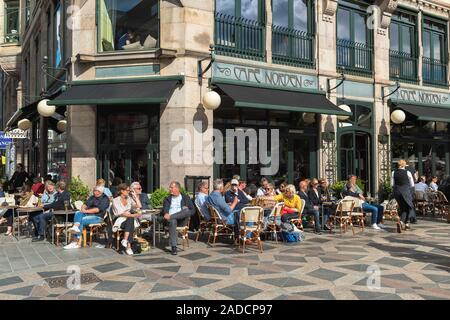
pixel 413 265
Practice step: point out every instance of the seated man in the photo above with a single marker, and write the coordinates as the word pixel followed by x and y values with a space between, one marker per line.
pixel 91 212
pixel 48 197
pixel 352 190
pixel 200 199
pixel 177 209
pixel 216 200
pixel 310 208
pixel 61 198
pixel 235 192
pixel 262 190
pixel 421 185
pixel 139 198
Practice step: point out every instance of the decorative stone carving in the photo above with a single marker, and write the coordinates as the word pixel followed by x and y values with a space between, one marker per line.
pixel 387 7
pixel 329 10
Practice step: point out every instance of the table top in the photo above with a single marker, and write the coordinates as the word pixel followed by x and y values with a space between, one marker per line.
pixel 8 207
pixel 63 212
pixel 32 209
pixel 150 211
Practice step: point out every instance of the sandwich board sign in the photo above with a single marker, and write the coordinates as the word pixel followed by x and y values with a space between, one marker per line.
pixel 4 141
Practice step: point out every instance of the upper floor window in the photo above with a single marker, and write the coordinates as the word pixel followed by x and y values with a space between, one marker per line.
pixel 239 28
pixel 354 39
pixel 128 25
pixel 12 14
pixel 292 37
pixel 434 52
pixel 403 47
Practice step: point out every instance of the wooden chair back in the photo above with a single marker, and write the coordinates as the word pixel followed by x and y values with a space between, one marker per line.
pixel 252 215
pixel 215 215
pixel 276 211
pixel 345 207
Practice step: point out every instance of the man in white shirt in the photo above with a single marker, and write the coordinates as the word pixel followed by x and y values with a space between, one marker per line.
pixel 262 190
pixel 421 185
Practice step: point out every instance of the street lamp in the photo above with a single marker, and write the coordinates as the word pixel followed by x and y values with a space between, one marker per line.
pixel 62 125
pixel 24 124
pixel 398 116
pixel 211 100
pixel 345 108
pixel 44 109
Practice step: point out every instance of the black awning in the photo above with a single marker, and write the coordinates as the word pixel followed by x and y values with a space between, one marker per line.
pixel 27 112
pixel 137 91
pixel 426 113
pixel 264 98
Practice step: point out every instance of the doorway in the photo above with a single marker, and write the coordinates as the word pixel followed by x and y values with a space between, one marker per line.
pixel 354 157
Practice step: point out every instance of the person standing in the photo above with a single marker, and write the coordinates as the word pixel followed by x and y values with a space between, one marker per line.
pixel 403 181
pixel 18 178
pixel 415 176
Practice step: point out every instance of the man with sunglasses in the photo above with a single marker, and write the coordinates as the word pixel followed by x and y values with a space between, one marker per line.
pixel 139 198
pixel 235 192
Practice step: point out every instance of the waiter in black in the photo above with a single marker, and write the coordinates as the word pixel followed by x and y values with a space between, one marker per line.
pixel 410 168
pixel 402 180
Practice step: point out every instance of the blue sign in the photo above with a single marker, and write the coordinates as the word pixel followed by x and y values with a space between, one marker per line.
pixel 4 141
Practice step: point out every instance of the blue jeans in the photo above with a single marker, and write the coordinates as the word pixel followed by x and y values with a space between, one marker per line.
pixel 376 210
pixel 41 222
pixel 84 220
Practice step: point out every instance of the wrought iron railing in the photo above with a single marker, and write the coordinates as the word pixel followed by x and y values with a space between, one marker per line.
pixel 239 37
pixel 292 47
pixel 434 72
pixel 402 66
pixel 354 57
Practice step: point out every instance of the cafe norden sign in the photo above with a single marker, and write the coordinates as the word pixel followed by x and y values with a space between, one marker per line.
pixel 421 97
pixel 263 76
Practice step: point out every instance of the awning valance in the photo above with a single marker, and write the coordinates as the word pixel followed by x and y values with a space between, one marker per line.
pixel 426 113
pixel 264 98
pixel 133 91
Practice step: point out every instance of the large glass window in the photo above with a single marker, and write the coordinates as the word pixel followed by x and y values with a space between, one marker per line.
pixel 128 25
pixel 434 52
pixel 354 39
pixel 403 48
pixel 292 36
pixel 12 14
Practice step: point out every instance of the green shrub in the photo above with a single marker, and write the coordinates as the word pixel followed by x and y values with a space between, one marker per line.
pixel 338 187
pixel 158 196
pixel 78 190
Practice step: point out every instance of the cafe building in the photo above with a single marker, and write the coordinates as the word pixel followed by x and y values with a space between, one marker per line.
pixel 347 86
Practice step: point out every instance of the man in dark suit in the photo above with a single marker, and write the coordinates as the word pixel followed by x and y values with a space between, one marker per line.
pixel 177 209
pixel 315 196
pixel 310 208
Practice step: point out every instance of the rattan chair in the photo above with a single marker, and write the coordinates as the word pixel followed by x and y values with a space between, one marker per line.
pixel 218 226
pixel 95 229
pixel 344 215
pixel 116 234
pixel 204 223
pixel 58 228
pixel 253 216
pixel 442 204
pixel 298 221
pixel 273 227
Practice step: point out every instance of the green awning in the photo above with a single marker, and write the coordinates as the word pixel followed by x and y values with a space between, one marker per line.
pixel 264 98
pixel 426 113
pixel 153 90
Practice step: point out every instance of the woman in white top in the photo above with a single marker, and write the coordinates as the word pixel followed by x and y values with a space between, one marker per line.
pixel 433 184
pixel 126 220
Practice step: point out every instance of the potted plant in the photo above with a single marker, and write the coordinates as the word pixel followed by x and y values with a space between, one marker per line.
pixel 78 190
pixel 157 197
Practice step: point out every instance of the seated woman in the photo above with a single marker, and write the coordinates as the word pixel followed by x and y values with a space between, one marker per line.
pixel 292 203
pixel 126 220
pixel 27 200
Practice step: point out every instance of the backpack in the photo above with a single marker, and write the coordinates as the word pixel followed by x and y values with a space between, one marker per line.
pixel 136 247
pixel 290 236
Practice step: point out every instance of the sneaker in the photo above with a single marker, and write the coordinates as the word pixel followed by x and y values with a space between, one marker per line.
pixel 75 229
pixel 38 239
pixel 382 226
pixel 129 251
pixel 174 251
pixel 124 243
pixel 374 226
pixel 73 245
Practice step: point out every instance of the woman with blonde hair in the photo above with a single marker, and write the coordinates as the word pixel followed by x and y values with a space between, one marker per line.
pixel 292 203
pixel 403 181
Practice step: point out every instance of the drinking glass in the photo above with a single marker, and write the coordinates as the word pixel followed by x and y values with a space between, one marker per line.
pixel 66 204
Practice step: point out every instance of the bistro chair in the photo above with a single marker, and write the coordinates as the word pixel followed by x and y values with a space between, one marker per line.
pixel 344 214
pixel 95 229
pixel 442 204
pixel 218 226
pixel 420 202
pixel 273 226
pixel 183 232
pixel 251 220
pixel 298 221
pixel 204 223
pixel 116 234
pixel 58 228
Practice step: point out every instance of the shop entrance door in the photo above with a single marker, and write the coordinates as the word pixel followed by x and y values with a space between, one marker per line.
pixel 354 157
pixel 130 164
pixel 302 159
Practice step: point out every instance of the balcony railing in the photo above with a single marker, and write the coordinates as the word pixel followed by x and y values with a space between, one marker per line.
pixel 434 72
pixel 402 65
pixel 292 47
pixel 239 37
pixel 355 58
